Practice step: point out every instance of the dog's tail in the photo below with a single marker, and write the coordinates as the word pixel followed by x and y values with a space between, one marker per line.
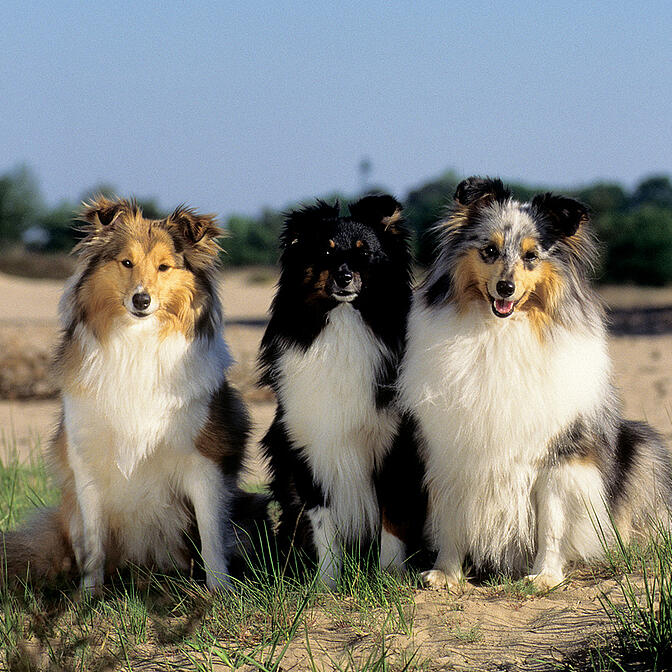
pixel 646 477
pixel 38 551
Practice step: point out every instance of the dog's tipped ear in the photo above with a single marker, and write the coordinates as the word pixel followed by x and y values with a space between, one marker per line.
pixel 194 227
pixel 378 210
pixel 101 212
pixel 303 221
pixel 480 189
pixel 564 215
pixel 199 235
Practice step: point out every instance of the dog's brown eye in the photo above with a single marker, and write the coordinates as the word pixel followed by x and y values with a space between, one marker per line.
pixel 163 267
pixel 530 257
pixel 127 263
pixel 490 253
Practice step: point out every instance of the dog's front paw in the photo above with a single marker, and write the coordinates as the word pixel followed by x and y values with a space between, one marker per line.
pixel 435 578
pixel 545 580
pixel 92 583
pixel 218 582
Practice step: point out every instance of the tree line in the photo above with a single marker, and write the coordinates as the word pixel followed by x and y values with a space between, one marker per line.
pixel 634 226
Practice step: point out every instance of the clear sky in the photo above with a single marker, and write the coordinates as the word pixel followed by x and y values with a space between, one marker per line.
pixel 232 106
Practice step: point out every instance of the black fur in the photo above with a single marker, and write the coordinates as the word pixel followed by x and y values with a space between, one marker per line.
pixel 318 243
pixel 402 494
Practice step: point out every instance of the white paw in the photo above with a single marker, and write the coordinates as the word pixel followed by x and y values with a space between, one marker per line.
pixel 327 580
pixel 545 580
pixel 92 583
pixel 435 578
pixel 218 582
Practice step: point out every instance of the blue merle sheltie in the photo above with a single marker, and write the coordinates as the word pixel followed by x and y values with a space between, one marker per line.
pixel 507 389
pixel 331 353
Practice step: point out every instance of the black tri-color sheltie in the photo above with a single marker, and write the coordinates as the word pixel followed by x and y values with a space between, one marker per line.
pixel 331 352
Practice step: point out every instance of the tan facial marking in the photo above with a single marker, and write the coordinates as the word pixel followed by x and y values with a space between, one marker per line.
pixel 359 243
pixel 332 244
pixel 528 245
pixel 498 239
pixel 542 288
pixel 470 278
pixel 320 287
pixel 180 302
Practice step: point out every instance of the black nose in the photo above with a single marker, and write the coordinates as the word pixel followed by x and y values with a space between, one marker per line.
pixel 343 276
pixel 141 300
pixel 505 288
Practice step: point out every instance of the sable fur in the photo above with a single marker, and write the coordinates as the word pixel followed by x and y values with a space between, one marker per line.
pixel 152 437
pixel 508 382
pixel 331 353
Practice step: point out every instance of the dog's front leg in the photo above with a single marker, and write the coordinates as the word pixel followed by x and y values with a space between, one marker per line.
pixel 327 544
pixel 88 529
pixel 549 562
pixel 447 571
pixel 210 493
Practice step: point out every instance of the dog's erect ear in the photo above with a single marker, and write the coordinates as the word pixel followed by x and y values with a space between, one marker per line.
pixel 302 222
pixel 380 210
pixel 101 212
pixel 480 189
pixel 564 215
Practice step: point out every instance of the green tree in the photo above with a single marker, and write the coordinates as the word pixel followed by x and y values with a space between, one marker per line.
pixel 20 203
pixel 252 241
pixel 603 197
pixel 61 227
pixel 654 190
pixel 637 246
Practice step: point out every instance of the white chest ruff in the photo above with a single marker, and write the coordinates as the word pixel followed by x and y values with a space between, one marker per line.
pixel 328 399
pixel 131 418
pixel 140 392
pixel 489 397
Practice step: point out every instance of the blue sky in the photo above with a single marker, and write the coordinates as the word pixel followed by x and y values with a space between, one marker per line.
pixel 235 106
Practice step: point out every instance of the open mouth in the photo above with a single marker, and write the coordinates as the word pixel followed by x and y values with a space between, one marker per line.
pixel 344 296
pixel 502 307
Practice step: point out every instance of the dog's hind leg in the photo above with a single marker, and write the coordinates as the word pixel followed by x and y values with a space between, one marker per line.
pixel 573 522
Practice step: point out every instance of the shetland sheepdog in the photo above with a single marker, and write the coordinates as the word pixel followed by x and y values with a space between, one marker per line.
pixel 151 436
pixel 331 353
pixel 507 386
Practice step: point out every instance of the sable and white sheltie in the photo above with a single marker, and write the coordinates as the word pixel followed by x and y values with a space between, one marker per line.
pixel 507 386
pixel 331 353
pixel 151 436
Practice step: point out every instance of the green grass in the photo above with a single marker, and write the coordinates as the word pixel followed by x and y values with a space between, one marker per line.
pixel 639 610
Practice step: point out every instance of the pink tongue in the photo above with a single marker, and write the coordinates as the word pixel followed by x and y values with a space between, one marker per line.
pixel 503 307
